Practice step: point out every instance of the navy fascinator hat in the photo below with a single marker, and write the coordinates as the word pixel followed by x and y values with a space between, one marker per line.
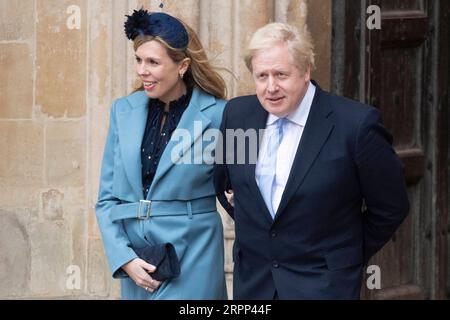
pixel 170 29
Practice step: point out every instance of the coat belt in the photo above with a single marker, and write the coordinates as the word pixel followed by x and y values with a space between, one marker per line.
pixel 146 209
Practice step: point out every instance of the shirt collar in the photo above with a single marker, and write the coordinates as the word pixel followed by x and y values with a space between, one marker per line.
pixel 300 115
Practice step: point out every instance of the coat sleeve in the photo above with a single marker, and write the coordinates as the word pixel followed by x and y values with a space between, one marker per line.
pixel 221 177
pixel 117 245
pixel 382 183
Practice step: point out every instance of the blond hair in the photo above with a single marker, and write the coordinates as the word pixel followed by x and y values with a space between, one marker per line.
pixel 200 71
pixel 299 43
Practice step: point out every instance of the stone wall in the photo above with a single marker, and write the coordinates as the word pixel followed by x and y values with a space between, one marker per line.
pixel 62 63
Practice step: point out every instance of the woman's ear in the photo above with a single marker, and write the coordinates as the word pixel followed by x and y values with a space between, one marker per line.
pixel 184 65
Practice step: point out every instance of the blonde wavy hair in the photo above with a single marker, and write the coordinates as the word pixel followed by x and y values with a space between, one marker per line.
pixel 298 41
pixel 200 71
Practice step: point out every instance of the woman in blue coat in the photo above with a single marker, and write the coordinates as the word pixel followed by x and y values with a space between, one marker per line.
pixel 153 188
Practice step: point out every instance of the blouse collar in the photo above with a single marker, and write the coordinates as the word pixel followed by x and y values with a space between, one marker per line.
pixel 181 103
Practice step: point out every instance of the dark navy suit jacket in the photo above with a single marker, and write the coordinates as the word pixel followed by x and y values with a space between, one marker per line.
pixel 344 199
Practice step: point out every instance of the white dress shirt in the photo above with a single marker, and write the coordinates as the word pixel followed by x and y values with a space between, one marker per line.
pixel 293 130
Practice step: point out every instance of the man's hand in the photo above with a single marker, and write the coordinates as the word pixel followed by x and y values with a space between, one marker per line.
pixel 139 270
pixel 230 197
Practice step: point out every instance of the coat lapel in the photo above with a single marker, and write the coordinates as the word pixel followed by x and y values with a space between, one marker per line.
pixel 131 126
pixel 258 122
pixel 317 130
pixel 191 127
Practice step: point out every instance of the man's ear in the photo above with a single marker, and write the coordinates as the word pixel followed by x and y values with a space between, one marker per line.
pixel 307 73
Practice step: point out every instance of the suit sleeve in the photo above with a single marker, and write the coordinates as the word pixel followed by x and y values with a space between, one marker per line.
pixel 116 242
pixel 221 176
pixel 382 184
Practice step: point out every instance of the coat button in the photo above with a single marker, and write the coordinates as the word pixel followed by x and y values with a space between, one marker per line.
pixel 273 234
pixel 275 264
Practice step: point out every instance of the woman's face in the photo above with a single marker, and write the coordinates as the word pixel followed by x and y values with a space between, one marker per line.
pixel 160 75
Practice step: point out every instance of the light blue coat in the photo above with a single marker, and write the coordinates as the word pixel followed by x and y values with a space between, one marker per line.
pixel 198 240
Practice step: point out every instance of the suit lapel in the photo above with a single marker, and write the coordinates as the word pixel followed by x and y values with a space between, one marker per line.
pixel 257 123
pixel 189 130
pixel 317 130
pixel 131 127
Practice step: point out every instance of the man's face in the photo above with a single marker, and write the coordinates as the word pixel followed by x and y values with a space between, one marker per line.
pixel 280 85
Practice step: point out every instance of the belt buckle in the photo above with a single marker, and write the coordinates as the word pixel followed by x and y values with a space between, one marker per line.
pixel 147 212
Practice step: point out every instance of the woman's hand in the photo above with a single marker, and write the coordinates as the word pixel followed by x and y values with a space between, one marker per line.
pixel 230 197
pixel 139 270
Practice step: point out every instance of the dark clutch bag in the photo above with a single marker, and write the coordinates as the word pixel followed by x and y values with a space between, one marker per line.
pixel 164 257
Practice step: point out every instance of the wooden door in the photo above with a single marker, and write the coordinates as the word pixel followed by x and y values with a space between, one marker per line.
pixel 402 69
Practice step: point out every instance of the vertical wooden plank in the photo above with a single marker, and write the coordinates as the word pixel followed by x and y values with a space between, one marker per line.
pixel 442 96
pixel 346 58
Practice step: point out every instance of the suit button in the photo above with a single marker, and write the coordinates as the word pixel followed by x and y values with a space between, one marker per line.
pixel 275 264
pixel 273 234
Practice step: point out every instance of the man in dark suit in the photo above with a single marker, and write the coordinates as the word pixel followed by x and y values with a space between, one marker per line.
pixel 326 190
